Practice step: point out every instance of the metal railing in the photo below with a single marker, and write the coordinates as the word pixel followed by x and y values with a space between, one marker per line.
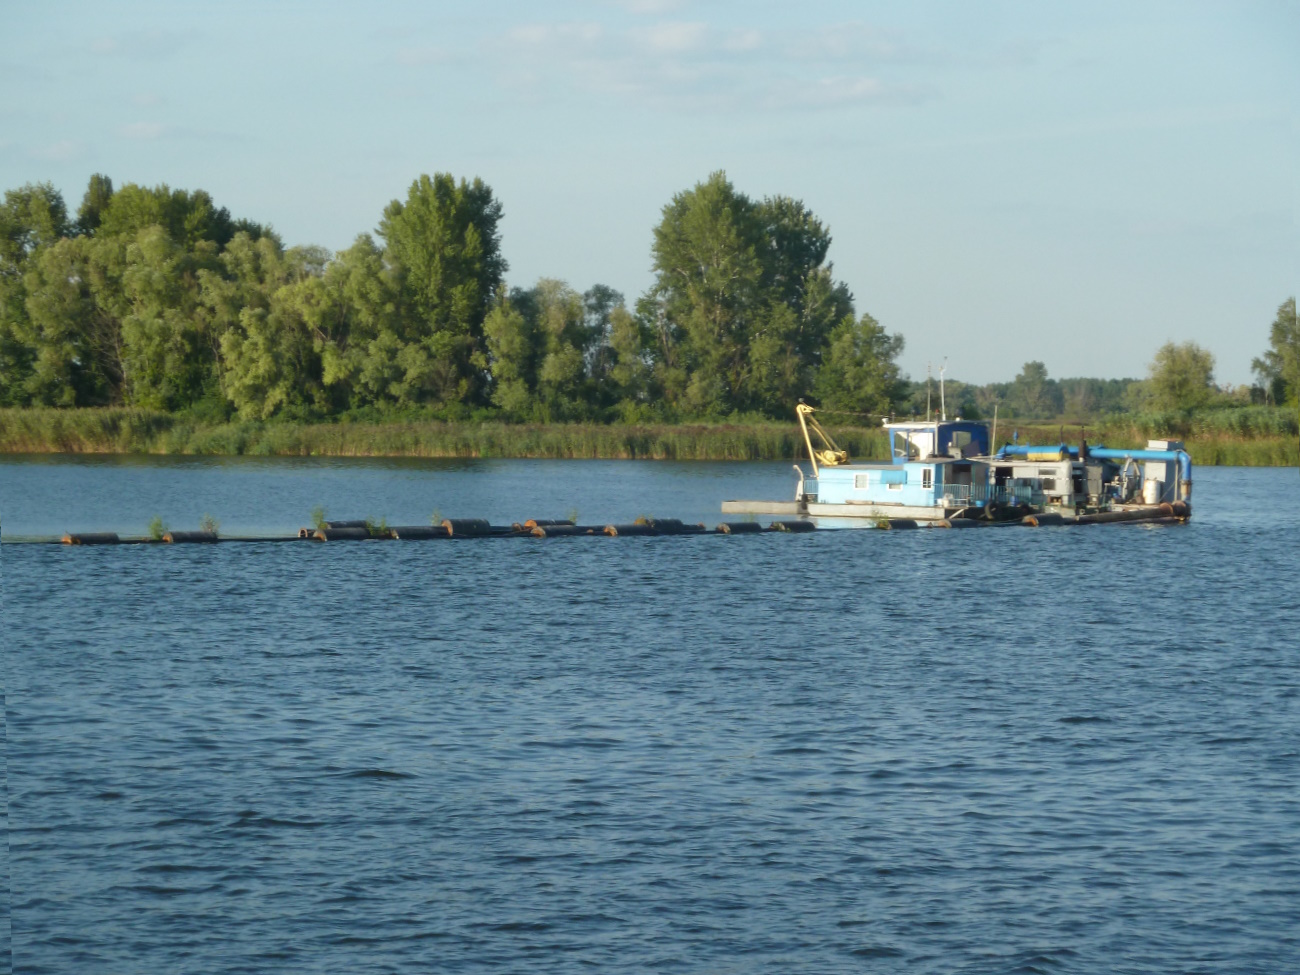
pixel 972 494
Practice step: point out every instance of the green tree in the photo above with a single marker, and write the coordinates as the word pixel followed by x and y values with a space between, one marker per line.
pixel 186 217
pixel 31 217
pixel 859 372
pixel 1181 376
pixel 707 287
pixel 74 336
pixel 512 348
pixel 271 316
pixel 744 303
pixel 99 194
pixel 631 379
pixel 1033 394
pixel 1279 368
pixel 166 359
pixel 444 246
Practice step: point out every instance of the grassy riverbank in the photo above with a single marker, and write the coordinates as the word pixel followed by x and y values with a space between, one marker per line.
pixel 1247 438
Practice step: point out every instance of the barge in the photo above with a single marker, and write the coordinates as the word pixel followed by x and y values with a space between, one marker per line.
pixel 941 471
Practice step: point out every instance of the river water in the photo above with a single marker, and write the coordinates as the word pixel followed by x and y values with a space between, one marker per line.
pixel 1047 750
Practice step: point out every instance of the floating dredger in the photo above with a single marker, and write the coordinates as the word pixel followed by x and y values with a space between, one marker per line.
pixel 946 472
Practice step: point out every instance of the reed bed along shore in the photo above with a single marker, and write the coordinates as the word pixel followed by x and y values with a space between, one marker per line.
pixel 1250 438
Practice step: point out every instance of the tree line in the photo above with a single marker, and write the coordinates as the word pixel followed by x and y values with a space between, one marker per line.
pixel 158 298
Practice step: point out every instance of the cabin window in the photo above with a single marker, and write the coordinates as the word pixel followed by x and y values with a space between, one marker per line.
pixel 860 481
pixel 1049 484
pixel 913 444
pixel 927 478
pixel 893 480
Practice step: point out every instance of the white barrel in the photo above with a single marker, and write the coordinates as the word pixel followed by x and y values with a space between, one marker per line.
pixel 1151 491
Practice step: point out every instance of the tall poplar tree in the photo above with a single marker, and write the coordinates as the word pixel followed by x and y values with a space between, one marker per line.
pixel 445 250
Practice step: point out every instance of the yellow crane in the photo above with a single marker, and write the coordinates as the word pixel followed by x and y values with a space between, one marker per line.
pixel 830 455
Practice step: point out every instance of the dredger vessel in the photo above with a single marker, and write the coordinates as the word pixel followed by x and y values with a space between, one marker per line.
pixel 945 472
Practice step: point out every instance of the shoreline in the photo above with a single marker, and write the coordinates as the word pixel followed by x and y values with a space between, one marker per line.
pixel 125 431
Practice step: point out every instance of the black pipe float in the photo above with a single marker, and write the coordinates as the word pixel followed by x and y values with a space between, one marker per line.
pixel 1159 512
pixel 419 533
pixel 674 526
pixel 562 529
pixel 190 538
pixel 467 527
pixel 342 534
pixel 957 523
pixel 532 523
pixel 793 527
pixel 345 524
pixel 896 523
pixel 91 538
pixel 633 529
pixel 1047 518
pixel 740 528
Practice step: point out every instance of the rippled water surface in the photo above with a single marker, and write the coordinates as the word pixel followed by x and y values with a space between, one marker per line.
pixel 1025 750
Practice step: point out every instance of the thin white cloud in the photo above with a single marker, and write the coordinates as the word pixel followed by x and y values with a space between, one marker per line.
pixel 427 54
pixel 61 151
pixel 142 45
pixel 674 38
pixel 650 7
pixel 144 131
pixel 689 65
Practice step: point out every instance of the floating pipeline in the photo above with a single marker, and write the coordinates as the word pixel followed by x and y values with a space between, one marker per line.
pixel 1166 513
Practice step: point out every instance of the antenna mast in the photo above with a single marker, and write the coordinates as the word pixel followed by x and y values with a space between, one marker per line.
pixel 943 408
pixel 927 392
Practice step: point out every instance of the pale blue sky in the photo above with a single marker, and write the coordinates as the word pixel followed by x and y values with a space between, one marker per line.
pixel 1006 181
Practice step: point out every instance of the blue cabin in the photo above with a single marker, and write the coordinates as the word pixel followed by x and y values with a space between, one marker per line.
pixel 933 465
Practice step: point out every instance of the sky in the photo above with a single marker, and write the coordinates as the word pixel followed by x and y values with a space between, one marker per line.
pixel 1003 182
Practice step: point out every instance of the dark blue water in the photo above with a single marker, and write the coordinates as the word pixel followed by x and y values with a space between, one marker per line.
pixel 1050 750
